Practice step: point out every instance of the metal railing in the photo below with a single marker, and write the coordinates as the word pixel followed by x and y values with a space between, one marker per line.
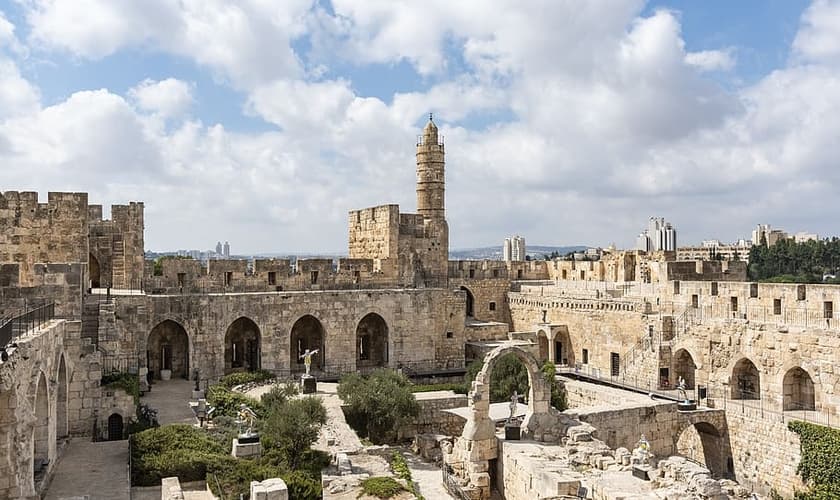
pixel 17 325
pixel 753 405
pixel 450 482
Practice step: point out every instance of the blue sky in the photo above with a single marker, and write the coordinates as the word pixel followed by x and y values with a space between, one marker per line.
pixel 569 123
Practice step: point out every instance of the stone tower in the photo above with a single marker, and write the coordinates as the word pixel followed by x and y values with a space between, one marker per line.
pixel 430 173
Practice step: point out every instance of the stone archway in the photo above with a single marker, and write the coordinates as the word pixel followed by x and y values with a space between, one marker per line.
pixel 371 342
pixel 307 333
pixel 94 272
pixel 702 442
pixel 798 390
pixel 41 431
pixel 746 380
pixel 168 348
pixel 542 345
pixel 61 402
pixel 242 346
pixel 470 304
pixel 683 365
pixel 116 429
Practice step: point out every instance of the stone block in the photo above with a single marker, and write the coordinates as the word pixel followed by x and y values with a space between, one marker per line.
pixel 270 489
pixel 246 450
pixel 480 479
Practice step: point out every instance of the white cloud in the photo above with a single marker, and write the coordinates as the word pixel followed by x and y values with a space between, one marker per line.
pixel 168 98
pixel 711 60
pixel 818 39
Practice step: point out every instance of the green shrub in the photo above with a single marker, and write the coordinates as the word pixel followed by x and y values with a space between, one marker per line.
pixel 378 404
pixel 227 402
pixel 234 475
pixel 145 418
pixel 558 394
pixel 279 395
pixel 291 428
pixel 173 450
pixel 820 463
pixel 381 487
pixel 401 469
pixel 125 381
pixel 232 380
pixel 303 486
pixel 454 387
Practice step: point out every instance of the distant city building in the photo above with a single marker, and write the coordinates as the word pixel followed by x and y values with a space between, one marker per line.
pixel 513 249
pixel 769 235
pixel 715 250
pixel 802 237
pixel 227 250
pixel 660 235
pixel 219 248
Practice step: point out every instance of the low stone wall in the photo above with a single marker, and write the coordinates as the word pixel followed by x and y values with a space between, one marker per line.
pixel 528 470
pixel 585 394
pixel 114 401
pixel 432 419
pixel 622 427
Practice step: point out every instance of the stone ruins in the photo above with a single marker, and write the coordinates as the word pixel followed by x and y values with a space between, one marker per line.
pixel 79 300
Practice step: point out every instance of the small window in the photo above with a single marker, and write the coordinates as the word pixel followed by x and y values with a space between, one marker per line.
pixel 753 290
pixel 582 274
pixel 313 277
pixel 695 301
pixel 182 277
pixel 357 276
pixel 676 288
pixel 519 274
pixel 800 292
pixel 733 304
pixel 272 278
pixel 472 273
pixel 714 288
pixel 565 274
pixel 450 335
pixel 495 273
pixel 585 356
pixel 228 278
pixel 614 364
pixel 777 306
pixel 492 306
pixel 828 309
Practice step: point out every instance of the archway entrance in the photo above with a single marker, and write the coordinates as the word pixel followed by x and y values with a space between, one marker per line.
pixel 542 345
pixel 371 342
pixel 307 333
pixel 470 305
pixel 61 402
pixel 167 350
pixel 703 443
pixel 93 270
pixel 564 353
pixel 684 366
pixel 115 427
pixel 242 346
pixel 41 431
pixel 798 390
pixel 745 381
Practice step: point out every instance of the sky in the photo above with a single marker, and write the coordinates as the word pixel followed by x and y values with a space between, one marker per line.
pixel 566 121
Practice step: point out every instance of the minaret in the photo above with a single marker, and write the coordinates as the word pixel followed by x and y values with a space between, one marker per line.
pixel 430 173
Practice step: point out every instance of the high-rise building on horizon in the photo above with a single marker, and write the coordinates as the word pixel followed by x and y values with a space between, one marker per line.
pixel 227 250
pixel 659 236
pixel 513 249
pixel 218 248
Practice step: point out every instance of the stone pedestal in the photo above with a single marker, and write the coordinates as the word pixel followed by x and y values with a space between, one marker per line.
pixel 308 384
pixel 642 472
pixel 686 406
pixel 270 489
pixel 196 395
pixel 512 432
pixel 247 449
pixel 165 374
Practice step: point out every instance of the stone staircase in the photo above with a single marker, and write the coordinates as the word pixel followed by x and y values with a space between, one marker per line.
pixel 118 263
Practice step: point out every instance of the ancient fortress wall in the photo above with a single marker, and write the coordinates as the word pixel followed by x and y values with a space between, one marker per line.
pixel 116 246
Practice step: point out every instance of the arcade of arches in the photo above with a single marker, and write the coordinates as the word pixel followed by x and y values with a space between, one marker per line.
pixel 745 381
pixel 371 342
pixel 242 346
pixel 167 348
pixel 684 367
pixel 558 349
pixel 307 334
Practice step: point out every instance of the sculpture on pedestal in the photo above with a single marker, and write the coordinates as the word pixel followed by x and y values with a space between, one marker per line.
pixel 307 359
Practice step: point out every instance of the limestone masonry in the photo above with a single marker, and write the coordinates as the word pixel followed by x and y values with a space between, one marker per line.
pixel 79 301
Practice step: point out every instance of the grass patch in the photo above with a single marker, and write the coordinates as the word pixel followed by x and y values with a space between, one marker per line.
pixel 454 387
pixel 380 487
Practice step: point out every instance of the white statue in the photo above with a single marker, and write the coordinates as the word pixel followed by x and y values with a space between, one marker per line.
pixel 681 389
pixel 307 359
pixel 642 454
pixel 514 401
pixel 246 416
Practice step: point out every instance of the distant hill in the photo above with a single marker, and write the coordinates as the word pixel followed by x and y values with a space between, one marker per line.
pixel 495 253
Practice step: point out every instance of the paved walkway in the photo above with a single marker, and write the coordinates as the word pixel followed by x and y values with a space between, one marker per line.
pixel 99 470
pixel 427 476
pixel 171 399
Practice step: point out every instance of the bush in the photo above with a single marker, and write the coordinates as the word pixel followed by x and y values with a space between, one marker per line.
pixel 125 381
pixel 820 463
pixel 377 405
pixel 232 380
pixel 173 450
pixel 146 418
pixel 279 395
pixel 381 487
pixel 227 402
pixel 291 428
pixel 303 486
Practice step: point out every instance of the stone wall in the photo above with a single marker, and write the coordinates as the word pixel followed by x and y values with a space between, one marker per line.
pixel 489 297
pixel 432 418
pixel 116 246
pixel 59 283
pixel 114 401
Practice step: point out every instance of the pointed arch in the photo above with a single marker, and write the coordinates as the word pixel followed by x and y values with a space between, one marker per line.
pixel 41 430
pixel 168 348
pixel 371 341
pixel 745 382
pixel 685 367
pixel 61 401
pixel 470 303
pixel 798 390
pixel 307 333
pixel 242 346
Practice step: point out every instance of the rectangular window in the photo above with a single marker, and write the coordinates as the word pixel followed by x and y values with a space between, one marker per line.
pixel 492 306
pixel 828 309
pixel 228 278
pixel 565 275
pixel 272 278
pixel 754 290
pixel 313 277
pixel 676 288
pixel 519 274
pixel 182 277
pixel 495 273
pixel 472 273
pixel 714 288
pixel 733 304
pixel 777 306
pixel 357 276
pixel 585 356
pixel 695 301
pixel 450 335
pixel 614 364
pixel 800 292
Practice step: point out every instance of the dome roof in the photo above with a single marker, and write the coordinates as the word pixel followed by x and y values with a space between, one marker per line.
pixel 430 127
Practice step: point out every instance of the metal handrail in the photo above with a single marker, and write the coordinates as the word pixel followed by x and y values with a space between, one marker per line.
pixel 15 326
